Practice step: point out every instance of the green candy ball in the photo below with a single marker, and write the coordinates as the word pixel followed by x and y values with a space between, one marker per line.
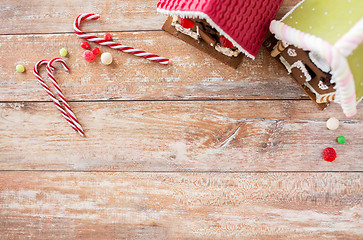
pixel 63 52
pixel 20 68
pixel 341 139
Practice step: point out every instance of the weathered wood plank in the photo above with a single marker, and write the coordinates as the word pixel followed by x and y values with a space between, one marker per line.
pixel 191 74
pixel 61 205
pixel 41 16
pixel 173 136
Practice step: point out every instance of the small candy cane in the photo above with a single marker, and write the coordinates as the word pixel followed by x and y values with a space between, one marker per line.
pixel 113 45
pixel 52 97
pixel 50 69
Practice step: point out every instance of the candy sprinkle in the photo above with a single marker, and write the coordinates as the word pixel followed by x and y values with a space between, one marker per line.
pixel 20 68
pixel 341 139
pixel 106 58
pixel 84 45
pixel 332 123
pixel 329 154
pixel 96 51
pixel 63 52
pixel 107 37
pixel 88 56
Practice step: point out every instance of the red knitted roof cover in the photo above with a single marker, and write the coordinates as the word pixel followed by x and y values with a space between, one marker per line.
pixel 244 22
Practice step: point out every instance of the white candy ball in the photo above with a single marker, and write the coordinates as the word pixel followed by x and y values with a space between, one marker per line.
pixel 106 58
pixel 332 123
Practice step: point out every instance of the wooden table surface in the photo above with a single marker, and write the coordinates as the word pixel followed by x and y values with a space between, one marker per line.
pixel 193 150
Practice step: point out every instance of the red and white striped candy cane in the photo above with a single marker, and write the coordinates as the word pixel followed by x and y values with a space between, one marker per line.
pixel 52 97
pixel 50 69
pixel 113 45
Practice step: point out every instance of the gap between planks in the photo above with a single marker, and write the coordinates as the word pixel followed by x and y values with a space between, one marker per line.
pixel 89 32
pixel 162 172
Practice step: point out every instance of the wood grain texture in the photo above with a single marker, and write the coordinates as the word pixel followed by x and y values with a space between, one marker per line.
pixel 193 150
pixel 178 136
pixel 63 205
pixel 191 73
pixel 41 16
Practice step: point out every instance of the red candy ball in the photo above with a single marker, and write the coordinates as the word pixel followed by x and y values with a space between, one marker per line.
pixel 108 37
pixel 96 51
pixel 88 56
pixel 329 154
pixel 186 23
pixel 225 42
pixel 85 45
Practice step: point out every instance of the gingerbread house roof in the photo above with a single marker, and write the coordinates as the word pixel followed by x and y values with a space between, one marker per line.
pixel 244 23
pixel 333 30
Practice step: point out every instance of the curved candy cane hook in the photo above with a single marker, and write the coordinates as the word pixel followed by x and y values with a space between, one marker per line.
pixel 113 45
pixel 71 114
pixel 52 97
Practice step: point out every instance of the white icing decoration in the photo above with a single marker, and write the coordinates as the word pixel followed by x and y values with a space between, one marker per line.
pixel 300 65
pixel 201 15
pixel 196 35
pixel 320 62
pixel 226 51
pixel 291 52
pixel 341 70
pixel 286 64
pixel 288 68
pixel 322 86
pixel 319 95
pixel 183 30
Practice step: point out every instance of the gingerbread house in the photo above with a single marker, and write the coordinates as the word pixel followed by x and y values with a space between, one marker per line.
pixel 225 29
pixel 321 45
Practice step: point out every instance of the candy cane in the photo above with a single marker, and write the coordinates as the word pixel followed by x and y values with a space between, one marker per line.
pixel 50 69
pixel 113 45
pixel 52 97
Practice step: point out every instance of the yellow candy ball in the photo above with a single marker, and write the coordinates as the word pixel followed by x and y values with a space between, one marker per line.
pixel 63 52
pixel 20 68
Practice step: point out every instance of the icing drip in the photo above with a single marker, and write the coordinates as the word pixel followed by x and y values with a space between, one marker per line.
pixel 291 52
pixel 196 35
pixel 319 62
pixel 300 65
pixel 227 51
pixel 185 31
pixel 318 96
pixel 286 64
pixel 322 86
pixel 341 73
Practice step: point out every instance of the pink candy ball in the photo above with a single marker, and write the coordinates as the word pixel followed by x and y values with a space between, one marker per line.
pixel 88 56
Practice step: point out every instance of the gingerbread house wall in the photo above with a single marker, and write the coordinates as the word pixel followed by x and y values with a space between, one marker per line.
pixel 302 70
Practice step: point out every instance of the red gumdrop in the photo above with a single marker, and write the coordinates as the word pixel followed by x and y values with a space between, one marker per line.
pixel 225 42
pixel 329 154
pixel 186 23
pixel 84 45
pixel 107 37
pixel 88 56
pixel 96 51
